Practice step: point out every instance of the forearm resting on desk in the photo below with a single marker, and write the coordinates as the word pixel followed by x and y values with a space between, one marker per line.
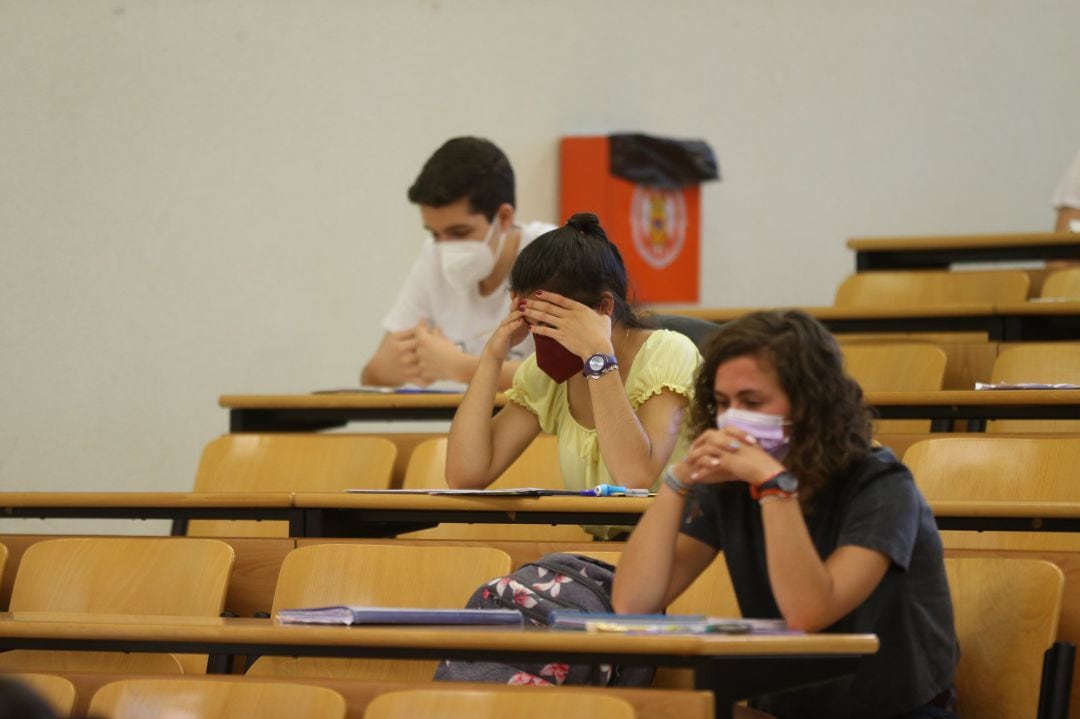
pixel 479 447
pixel 658 562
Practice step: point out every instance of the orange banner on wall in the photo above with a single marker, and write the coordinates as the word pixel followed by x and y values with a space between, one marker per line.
pixel 657 230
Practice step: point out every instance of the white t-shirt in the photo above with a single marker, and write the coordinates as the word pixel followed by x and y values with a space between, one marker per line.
pixel 1068 192
pixel 467 320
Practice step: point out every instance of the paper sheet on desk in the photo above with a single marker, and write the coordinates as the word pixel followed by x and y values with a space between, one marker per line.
pixel 1023 385
pixel 407 389
pixel 664 623
pixel 350 615
pixel 509 492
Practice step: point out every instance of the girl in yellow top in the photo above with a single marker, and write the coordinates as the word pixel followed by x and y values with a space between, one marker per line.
pixel 610 388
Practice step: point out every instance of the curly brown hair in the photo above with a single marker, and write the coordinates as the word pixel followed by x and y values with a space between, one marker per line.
pixel 830 424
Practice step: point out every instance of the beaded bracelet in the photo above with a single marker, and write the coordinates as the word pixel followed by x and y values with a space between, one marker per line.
pixel 673 482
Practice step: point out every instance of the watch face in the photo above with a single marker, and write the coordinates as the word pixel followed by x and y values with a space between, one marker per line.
pixel 596 363
pixel 787 482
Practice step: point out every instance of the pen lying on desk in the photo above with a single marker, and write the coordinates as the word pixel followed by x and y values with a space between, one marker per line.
pixel 610 490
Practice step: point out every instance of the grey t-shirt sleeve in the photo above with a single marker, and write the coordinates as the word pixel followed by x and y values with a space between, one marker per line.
pixel 883 515
pixel 701 516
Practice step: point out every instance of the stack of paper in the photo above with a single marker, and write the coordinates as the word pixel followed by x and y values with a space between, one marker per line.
pixel 664 623
pixel 1024 385
pixel 390 615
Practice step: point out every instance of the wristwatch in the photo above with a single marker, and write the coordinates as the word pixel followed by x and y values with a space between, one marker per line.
pixel 599 365
pixel 785 484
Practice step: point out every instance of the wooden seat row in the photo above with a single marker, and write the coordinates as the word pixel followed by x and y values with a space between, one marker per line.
pixel 944 287
pixel 1007 609
pixel 75 695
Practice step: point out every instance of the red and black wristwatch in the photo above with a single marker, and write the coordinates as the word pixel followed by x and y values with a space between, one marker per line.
pixel 784 485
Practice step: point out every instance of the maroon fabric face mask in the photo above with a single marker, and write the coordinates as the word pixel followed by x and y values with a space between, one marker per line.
pixel 557 362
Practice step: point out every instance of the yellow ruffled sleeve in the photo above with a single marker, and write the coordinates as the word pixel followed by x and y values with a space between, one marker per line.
pixel 669 361
pixel 536 392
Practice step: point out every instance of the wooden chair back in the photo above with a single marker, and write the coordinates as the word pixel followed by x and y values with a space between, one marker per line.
pixel 58 692
pixel 481 703
pixel 896 367
pixel 1006 613
pixel 210 699
pixel 908 288
pixel 538 466
pixel 711 594
pixel 1042 362
pixel 384 575
pixel 996 469
pixel 119 575
pixel 1062 284
pixel 288 463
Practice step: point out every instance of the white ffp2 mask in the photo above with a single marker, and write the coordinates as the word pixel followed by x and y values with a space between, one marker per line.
pixel 465 262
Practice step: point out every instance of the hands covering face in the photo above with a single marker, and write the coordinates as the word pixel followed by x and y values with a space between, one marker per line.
pixel 577 327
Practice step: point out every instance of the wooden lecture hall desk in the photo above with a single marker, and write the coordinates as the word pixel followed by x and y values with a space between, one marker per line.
pixel 380 514
pixel 938 252
pixel 313 412
pixel 732 667
pixel 387 514
pixel 329 514
pixel 316 411
pixel 1002 322
pixel 944 407
pixel 176 506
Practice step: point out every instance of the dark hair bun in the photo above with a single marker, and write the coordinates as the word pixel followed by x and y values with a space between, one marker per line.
pixel 588 223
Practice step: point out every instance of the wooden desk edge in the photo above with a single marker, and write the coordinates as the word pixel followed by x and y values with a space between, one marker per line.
pixel 155 500
pixel 359 400
pixel 211 631
pixel 947 242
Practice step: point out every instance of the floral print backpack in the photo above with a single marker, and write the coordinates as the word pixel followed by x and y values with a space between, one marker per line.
pixel 554 582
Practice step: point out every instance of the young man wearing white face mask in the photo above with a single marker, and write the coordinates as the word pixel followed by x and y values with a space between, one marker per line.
pixel 455 294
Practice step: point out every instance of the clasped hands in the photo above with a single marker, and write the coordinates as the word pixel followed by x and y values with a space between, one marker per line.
pixel 425 355
pixel 727 455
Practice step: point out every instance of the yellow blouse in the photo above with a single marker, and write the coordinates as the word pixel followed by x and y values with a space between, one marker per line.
pixel 666 361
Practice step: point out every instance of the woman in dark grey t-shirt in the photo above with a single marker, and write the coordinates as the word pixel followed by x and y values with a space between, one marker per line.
pixel 817 527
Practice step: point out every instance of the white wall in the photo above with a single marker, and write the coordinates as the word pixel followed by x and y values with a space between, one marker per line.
pixel 205 197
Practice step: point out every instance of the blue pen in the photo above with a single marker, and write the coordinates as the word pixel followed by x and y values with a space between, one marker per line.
pixel 611 490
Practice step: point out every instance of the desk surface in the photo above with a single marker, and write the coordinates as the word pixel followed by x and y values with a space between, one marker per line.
pixel 345 400
pixel 936 242
pixel 939 252
pixel 1032 398
pixel 1004 322
pixel 833 312
pixel 81 628
pixel 437 502
pixel 312 412
pixel 826 313
pixel 732 667
pixel 160 500
pixel 343 515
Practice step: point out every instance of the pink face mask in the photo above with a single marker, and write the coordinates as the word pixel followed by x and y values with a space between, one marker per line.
pixel 767 429
pixel 557 362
